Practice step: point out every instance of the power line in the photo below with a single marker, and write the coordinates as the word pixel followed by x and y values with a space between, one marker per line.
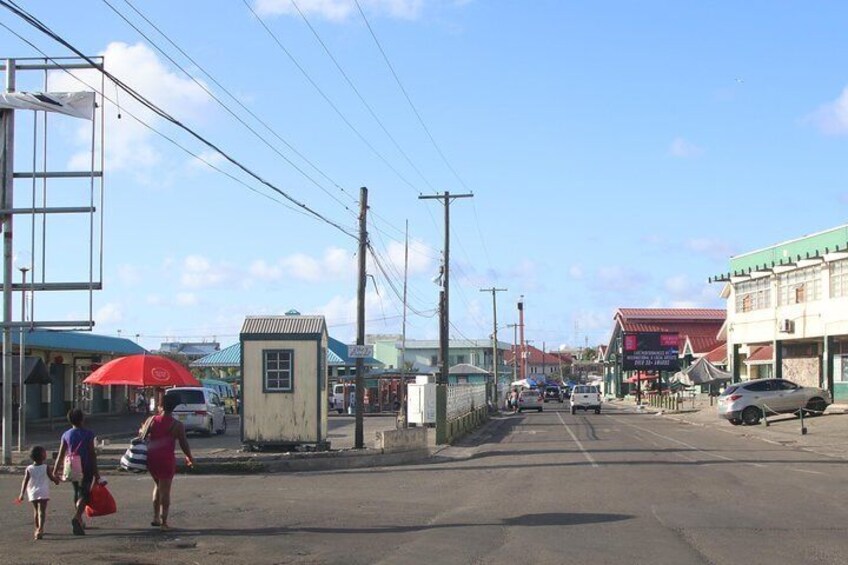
pixel 159 133
pixel 359 94
pixel 221 103
pixel 406 95
pixel 40 26
pixel 235 99
pixel 326 98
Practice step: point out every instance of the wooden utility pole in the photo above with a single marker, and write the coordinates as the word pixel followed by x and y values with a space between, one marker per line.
pixel 446 198
pixel 359 435
pixel 494 292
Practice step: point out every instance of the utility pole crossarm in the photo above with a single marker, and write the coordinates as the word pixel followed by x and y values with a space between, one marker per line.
pixel 444 320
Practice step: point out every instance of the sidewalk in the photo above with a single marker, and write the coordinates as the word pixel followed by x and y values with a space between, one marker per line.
pixel 826 435
pixel 223 453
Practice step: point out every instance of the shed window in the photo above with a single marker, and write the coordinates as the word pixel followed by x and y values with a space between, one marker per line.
pixel 277 365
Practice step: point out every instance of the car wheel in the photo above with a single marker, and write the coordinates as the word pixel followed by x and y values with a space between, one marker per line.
pixel 751 416
pixel 597 410
pixel 816 406
pixel 573 410
pixel 223 429
pixel 735 421
pixel 561 401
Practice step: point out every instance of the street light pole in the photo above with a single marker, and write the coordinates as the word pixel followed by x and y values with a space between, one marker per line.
pixel 494 292
pixel 21 377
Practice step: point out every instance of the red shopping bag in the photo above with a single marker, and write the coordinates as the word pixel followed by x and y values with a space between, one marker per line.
pixel 100 501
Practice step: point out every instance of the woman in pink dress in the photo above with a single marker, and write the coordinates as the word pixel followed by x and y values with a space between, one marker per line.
pixel 164 432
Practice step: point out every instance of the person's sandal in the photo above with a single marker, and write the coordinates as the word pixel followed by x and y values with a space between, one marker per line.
pixel 77 526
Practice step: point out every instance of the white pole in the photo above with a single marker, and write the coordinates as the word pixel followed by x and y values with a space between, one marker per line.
pixel 21 376
pixel 7 173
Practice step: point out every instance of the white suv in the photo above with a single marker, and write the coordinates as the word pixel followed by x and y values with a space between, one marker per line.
pixel 200 409
pixel 586 397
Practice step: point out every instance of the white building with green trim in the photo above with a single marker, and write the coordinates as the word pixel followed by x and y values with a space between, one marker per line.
pixel 792 299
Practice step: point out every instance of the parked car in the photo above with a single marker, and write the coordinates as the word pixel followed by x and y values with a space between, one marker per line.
pixel 746 403
pixel 585 397
pixel 530 399
pixel 553 393
pixel 200 409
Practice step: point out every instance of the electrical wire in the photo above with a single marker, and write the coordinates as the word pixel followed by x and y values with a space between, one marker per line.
pixel 158 132
pixel 359 95
pixel 233 97
pixel 326 98
pixel 406 95
pixel 40 26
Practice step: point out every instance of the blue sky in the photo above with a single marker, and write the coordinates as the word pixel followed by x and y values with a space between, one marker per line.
pixel 619 154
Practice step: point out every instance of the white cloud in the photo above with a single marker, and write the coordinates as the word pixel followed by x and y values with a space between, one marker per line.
pixel 832 118
pixel 340 10
pixel 129 144
pixel 186 299
pixel 107 314
pixel 678 284
pixel 199 272
pixel 206 158
pixel 153 300
pixel 129 275
pixel 711 247
pixel 576 272
pixel 420 257
pixel 683 149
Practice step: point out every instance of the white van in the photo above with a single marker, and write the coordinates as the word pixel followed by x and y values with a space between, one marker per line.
pixel 337 399
pixel 200 409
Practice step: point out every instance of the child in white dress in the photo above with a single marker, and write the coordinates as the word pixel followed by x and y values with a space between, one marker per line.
pixel 36 485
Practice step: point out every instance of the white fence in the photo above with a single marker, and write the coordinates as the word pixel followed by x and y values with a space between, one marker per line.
pixel 465 398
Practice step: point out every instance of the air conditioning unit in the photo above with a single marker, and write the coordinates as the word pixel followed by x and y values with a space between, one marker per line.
pixel 787 326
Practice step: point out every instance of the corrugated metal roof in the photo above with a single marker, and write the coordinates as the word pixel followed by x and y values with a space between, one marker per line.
pixel 227 357
pixel 82 342
pixel 676 314
pixel 283 325
pixel 231 357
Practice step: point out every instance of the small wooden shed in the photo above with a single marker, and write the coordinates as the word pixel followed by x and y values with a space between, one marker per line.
pixel 284 381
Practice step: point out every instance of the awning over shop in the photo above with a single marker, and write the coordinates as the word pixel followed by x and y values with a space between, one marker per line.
pixel 702 372
pixel 35 371
pixel 642 378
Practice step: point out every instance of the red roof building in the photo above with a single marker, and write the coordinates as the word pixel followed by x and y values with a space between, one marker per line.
pixel 698 331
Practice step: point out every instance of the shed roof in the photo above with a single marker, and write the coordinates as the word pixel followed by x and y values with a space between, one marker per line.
pixel 227 357
pixel 81 342
pixel 308 325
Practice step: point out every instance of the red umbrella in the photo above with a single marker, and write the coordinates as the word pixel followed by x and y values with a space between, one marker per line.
pixel 142 370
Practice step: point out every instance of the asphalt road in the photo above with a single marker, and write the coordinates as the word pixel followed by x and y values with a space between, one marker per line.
pixel 618 487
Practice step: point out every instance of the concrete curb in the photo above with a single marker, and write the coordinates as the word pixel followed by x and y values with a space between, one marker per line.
pixel 277 463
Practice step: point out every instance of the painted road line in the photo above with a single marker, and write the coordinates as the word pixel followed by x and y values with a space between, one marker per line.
pixel 692 447
pixel 807 471
pixel 586 454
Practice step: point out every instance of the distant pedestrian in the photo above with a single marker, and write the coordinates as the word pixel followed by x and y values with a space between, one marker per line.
pixel 78 461
pixel 36 486
pixel 141 403
pixel 164 433
pixel 513 400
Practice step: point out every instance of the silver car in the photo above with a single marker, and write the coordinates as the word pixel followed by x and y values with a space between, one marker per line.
pixel 530 399
pixel 746 403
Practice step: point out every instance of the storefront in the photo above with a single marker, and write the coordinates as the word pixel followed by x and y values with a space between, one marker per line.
pixel 793 299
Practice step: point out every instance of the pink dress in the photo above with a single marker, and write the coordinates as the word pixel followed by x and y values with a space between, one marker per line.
pixel 161 461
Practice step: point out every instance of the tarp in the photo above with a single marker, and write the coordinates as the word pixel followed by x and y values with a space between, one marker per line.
pixel 76 104
pixel 702 372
